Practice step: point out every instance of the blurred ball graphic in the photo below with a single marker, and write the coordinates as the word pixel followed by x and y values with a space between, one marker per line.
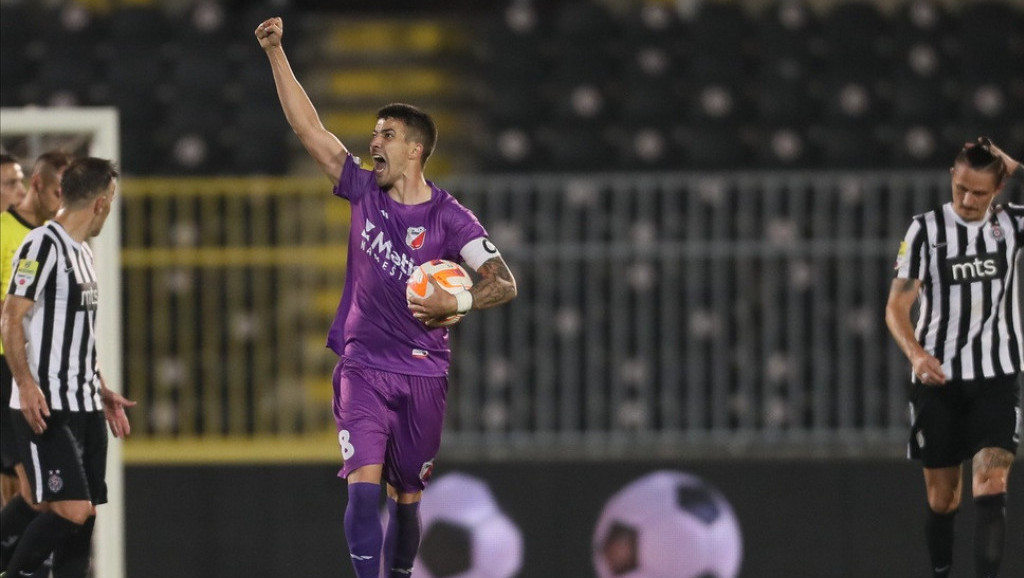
pixel 465 533
pixel 667 525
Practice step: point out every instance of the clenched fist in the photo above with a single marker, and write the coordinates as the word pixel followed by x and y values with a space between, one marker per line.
pixel 269 33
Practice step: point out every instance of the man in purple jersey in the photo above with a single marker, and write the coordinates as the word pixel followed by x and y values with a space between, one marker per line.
pixel 391 379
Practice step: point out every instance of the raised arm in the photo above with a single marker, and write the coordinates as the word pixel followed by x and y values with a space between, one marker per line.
pixel 902 296
pixel 325 148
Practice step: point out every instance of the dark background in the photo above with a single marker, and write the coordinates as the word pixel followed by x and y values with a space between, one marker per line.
pixel 848 518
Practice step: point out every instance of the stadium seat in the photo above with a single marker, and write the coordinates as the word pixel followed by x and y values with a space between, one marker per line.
pixel 715 103
pixel 578 102
pixel 919 146
pixel 652 24
pixel 992 102
pixel 919 20
pixel 512 148
pixel 782 146
pixel 647 147
pixel 851 102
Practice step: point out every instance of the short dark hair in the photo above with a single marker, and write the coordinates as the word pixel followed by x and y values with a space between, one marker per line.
pixel 52 162
pixel 6 159
pixel 978 157
pixel 420 127
pixel 85 179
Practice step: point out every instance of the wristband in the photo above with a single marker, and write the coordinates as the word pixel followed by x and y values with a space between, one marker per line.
pixel 465 302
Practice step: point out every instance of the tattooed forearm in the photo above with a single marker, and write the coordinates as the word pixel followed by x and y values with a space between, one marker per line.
pixel 902 295
pixel 497 286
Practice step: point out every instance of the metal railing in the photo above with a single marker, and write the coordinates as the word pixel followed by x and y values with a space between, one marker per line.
pixel 658 314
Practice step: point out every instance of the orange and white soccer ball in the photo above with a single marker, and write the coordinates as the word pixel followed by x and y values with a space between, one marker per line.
pixel 449 276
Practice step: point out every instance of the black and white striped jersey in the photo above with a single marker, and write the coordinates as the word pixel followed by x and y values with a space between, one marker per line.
pixel 970 317
pixel 57 273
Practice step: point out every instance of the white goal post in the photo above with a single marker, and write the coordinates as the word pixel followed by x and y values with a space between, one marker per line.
pixel 100 127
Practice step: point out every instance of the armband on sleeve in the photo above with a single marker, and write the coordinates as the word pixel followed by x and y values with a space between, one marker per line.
pixel 478 251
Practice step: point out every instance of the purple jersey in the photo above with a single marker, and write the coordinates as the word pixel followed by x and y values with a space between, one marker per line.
pixel 387 241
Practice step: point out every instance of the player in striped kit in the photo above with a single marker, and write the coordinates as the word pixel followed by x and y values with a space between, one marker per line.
pixel 959 261
pixel 390 383
pixel 48 331
pixel 40 204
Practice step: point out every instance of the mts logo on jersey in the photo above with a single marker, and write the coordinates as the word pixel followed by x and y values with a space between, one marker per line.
pixel 90 296
pixel 383 251
pixel 974 268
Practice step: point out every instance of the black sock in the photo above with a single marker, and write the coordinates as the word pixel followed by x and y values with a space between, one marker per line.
pixel 990 534
pixel 41 537
pixel 14 518
pixel 408 540
pixel 939 530
pixel 71 559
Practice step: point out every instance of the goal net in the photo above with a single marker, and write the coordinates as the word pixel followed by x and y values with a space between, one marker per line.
pixel 26 133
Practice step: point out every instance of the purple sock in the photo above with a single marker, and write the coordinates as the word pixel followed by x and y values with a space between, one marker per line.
pixel 362 528
pixel 404 524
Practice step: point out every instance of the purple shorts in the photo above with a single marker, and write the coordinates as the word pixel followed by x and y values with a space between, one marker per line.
pixel 390 419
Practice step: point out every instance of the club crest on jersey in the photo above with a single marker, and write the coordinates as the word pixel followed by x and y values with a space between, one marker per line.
pixel 414 236
pixel 426 470
pixel 54 482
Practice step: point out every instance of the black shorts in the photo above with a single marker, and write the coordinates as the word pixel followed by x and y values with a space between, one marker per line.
pixel 69 461
pixel 8 447
pixel 950 423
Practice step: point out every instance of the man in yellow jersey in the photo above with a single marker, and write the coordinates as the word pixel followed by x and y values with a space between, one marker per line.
pixel 39 205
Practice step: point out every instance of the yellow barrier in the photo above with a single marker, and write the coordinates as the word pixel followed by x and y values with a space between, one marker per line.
pixel 313 448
